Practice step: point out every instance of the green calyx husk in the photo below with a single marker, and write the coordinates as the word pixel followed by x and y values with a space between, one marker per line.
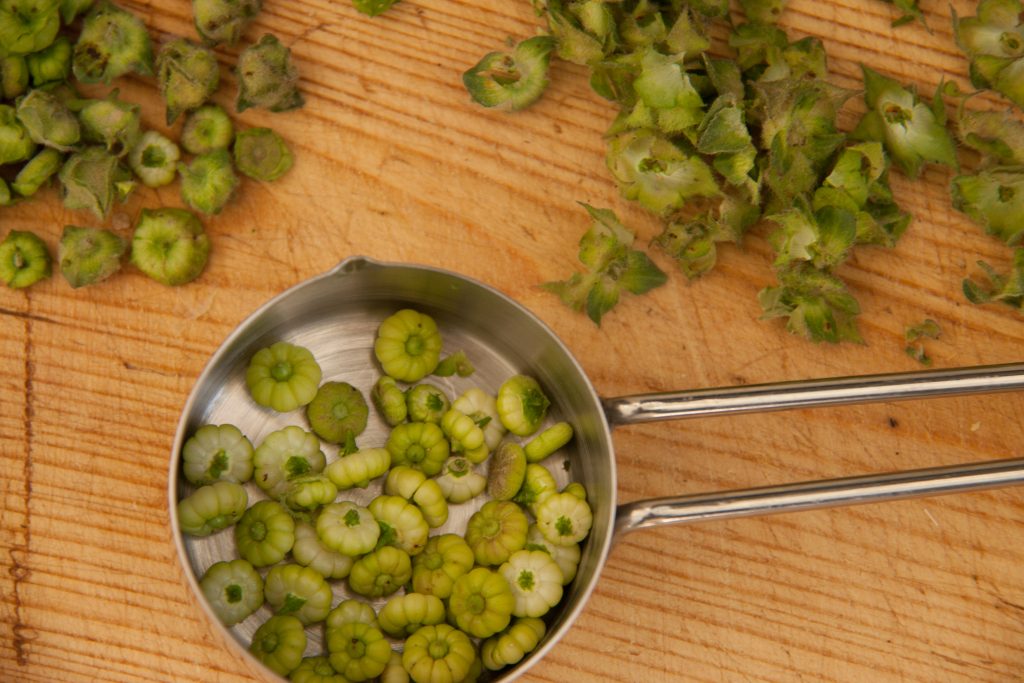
pixel 170 245
pixel 511 80
pixel 816 304
pixel 612 266
pixel 205 129
pixel 187 75
pixel 112 43
pixel 51 64
pixel 89 255
pixel 1005 288
pixel 16 144
pixel 223 21
pixel 915 336
pixel 262 154
pixel 993 42
pixel 93 179
pixel 267 78
pixel 48 120
pixel 111 122
pixel 24 259
pixel 208 182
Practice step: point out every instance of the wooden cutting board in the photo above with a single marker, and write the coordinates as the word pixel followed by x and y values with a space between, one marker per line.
pixel 394 162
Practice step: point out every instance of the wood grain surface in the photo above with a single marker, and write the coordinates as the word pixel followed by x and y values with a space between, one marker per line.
pixel 394 162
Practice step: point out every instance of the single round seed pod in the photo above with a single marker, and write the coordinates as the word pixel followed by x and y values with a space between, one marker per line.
pixel 205 129
pixel 187 74
pixel 24 259
pixel 14 77
pixel 170 245
pixel 89 255
pixel 507 471
pixel 154 159
pixel 27 26
pixel 262 154
pixel 223 21
pixel 51 64
pixel 267 78
pixel 112 42
pixel 337 412
pixel 208 182
pixel 112 123
pixel 48 120
pixel 37 171
pixel 93 179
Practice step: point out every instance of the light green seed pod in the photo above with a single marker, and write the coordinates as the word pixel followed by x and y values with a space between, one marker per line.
pixel 14 77
pixel 15 142
pixel 48 120
pixel 205 129
pixel 89 255
pixel 24 259
pixel 267 78
pixel 187 74
pixel 93 179
pixel 51 64
pixel 37 171
pixel 112 42
pixel 511 80
pixel 112 123
pixel 208 183
pixel 27 26
pixel 548 441
pixel 154 159
pixel 262 154
pixel 170 246
pixel 223 21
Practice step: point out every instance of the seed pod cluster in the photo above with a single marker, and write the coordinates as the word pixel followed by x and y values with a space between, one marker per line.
pixel 98 150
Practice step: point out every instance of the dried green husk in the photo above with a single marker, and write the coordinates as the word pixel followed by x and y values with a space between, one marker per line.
pixel 93 179
pixel 112 43
pixel 224 21
pixel 267 78
pixel 187 75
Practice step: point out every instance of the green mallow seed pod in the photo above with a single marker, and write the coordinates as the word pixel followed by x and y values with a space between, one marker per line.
pixel 223 21
pixel 71 9
pixel 112 123
pixel 267 78
pixel 187 75
pixel 208 182
pixel 37 171
pixel 51 64
pixel 93 179
pixel 154 159
pixel 27 26
pixel 511 80
pixel 5 194
pixel 89 255
pixel 48 120
pixel 113 42
pixel 262 154
pixel 24 259
pixel 13 77
pixel 207 128
pixel 170 246
pixel 15 142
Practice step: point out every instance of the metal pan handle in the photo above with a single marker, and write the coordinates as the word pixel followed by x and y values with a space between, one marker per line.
pixel 811 495
pixel 813 393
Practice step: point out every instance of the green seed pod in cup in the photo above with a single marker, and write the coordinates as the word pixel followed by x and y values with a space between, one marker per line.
pixel 267 78
pixel 113 42
pixel 51 64
pixel 262 154
pixel 207 128
pixel 111 122
pixel 154 159
pixel 223 21
pixel 24 259
pixel 89 255
pixel 188 74
pixel 27 26
pixel 170 245
pixel 93 179
pixel 208 182
pixel 48 120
